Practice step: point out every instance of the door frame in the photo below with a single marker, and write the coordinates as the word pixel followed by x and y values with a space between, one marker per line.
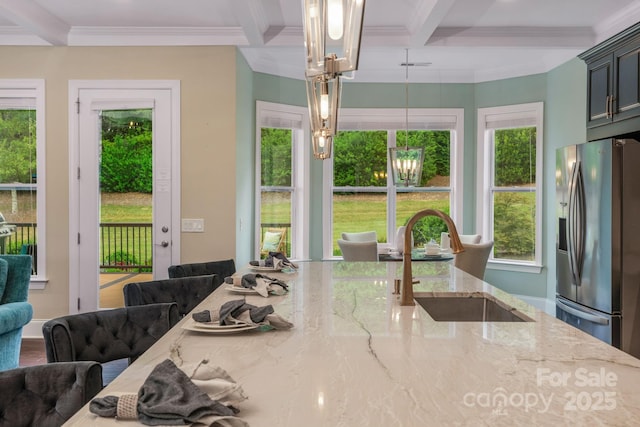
pixel 74 157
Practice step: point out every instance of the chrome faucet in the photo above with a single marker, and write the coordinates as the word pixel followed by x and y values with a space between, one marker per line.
pixel 406 296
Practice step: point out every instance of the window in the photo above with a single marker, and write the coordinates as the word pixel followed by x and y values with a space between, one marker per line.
pixel 22 170
pixel 510 183
pixel 282 200
pixel 359 192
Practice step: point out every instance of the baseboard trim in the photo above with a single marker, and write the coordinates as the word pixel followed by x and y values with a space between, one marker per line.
pixel 33 329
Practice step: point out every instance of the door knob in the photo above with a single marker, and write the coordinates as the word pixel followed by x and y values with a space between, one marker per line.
pixel 164 244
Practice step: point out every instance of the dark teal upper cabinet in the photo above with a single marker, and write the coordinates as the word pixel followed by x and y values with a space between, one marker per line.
pixel 613 89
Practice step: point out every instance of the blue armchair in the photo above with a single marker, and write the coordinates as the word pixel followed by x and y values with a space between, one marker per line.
pixel 15 311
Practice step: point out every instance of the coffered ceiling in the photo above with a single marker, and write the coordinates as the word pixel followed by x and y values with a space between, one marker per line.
pixel 462 40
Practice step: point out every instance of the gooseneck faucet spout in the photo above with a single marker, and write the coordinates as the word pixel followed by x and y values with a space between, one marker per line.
pixel 406 297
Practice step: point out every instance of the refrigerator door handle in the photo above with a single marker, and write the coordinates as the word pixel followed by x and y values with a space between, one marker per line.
pixel 582 314
pixel 575 227
pixel 581 209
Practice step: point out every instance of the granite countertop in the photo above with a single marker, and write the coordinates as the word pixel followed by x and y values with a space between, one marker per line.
pixel 355 357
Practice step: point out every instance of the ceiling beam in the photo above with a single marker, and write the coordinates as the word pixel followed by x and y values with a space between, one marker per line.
pixel 33 18
pixel 426 19
pixel 252 17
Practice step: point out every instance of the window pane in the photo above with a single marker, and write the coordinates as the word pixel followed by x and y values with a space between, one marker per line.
pixel 437 154
pixel 275 204
pixel 355 212
pixel 407 204
pixel 275 213
pixel 275 151
pixel 18 177
pixel 514 227
pixel 515 157
pixel 360 159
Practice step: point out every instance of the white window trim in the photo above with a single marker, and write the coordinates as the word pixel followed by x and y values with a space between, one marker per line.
pixel 484 222
pixel 35 88
pixel 391 119
pixel 296 118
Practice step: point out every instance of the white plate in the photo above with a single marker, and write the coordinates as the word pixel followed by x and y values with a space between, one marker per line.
pixel 216 328
pixel 240 290
pixel 258 268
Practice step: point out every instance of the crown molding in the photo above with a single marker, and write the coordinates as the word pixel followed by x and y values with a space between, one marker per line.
pixel 156 36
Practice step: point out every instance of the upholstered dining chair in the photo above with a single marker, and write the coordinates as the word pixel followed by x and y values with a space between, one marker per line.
pixel 470 238
pixel 107 335
pixel 358 251
pixel 221 268
pixel 186 292
pixel 363 236
pixel 474 258
pixel 47 395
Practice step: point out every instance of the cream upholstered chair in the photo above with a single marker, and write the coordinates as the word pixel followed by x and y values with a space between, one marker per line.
pixel 364 236
pixel 358 251
pixel 470 238
pixel 474 258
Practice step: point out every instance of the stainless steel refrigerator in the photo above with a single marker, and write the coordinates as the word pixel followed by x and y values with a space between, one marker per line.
pixel 598 240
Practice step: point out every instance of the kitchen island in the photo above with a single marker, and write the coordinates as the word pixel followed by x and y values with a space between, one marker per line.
pixel 355 357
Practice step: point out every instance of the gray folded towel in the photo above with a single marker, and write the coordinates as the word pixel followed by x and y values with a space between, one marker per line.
pixel 167 397
pixel 239 312
pixel 261 283
pixel 275 260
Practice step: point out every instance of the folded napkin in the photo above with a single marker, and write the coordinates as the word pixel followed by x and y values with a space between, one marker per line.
pixel 277 260
pixel 262 284
pixel 201 396
pixel 238 312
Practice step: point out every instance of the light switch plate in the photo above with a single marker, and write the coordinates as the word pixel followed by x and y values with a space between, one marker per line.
pixel 193 225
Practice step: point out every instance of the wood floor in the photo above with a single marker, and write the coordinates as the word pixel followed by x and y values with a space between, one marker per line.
pixel 32 352
pixel 111 285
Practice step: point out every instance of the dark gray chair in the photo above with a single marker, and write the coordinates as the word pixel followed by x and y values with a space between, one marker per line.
pixel 223 268
pixel 47 395
pixel 107 335
pixel 186 292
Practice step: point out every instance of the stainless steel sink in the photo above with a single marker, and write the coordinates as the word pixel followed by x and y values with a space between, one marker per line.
pixel 468 307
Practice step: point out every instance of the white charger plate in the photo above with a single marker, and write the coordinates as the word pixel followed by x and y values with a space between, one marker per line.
pixel 258 268
pixel 215 328
pixel 240 290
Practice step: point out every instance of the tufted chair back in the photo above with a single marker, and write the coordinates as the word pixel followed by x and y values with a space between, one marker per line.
pixel 221 269
pixel 47 395
pixel 107 335
pixel 186 292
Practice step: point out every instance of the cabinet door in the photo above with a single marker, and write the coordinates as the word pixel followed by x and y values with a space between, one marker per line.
pixel 599 87
pixel 626 88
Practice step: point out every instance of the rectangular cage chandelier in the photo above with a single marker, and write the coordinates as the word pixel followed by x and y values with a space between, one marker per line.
pixel 332 33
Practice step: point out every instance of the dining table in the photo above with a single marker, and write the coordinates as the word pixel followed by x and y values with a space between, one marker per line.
pixel 356 357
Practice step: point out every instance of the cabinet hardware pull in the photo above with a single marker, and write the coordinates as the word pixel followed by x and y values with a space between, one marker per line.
pixel 606 107
pixel 611 99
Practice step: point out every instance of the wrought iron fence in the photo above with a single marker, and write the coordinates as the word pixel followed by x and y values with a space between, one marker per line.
pixel 123 246
pixel 126 246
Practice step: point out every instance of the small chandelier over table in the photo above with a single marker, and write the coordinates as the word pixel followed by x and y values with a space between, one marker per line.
pixel 340 21
pixel 406 162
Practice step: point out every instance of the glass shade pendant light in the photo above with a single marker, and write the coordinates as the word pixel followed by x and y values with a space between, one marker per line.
pixel 406 162
pixel 332 33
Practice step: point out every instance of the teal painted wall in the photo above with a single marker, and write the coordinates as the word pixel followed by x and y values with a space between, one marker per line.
pixel 520 90
pixel 245 155
pixel 565 119
pixel 563 91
